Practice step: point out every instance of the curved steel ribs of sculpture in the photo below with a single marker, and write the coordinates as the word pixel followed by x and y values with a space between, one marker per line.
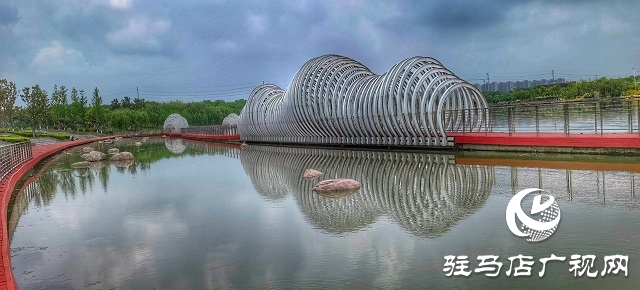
pixel 336 100
pixel 426 194
pixel 174 123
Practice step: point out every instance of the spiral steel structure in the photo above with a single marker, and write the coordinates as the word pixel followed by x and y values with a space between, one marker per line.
pixel 174 123
pixel 336 100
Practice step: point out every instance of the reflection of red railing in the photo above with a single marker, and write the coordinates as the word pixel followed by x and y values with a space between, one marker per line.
pixel 228 145
pixel 214 137
pixel 211 133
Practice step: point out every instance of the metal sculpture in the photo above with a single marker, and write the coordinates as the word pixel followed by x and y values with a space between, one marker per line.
pixel 232 119
pixel 336 100
pixel 174 123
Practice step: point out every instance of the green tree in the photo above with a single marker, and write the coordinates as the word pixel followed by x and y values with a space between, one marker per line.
pixel 8 95
pixel 77 109
pixel 138 104
pixel 59 106
pixel 37 103
pixel 115 104
pixel 97 113
pixel 126 103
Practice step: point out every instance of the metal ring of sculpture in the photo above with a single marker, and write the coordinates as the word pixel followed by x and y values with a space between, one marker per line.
pixel 336 100
pixel 174 123
pixel 232 119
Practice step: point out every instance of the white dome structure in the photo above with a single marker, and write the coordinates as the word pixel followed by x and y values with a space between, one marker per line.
pixel 174 123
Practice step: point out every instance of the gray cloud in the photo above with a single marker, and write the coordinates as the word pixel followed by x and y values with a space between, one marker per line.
pixel 8 13
pixel 465 15
pixel 188 49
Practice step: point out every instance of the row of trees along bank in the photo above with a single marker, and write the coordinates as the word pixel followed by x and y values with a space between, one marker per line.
pixel 603 88
pixel 73 110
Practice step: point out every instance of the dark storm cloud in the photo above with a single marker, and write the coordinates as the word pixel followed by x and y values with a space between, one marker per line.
pixel 193 47
pixel 8 13
pixel 465 15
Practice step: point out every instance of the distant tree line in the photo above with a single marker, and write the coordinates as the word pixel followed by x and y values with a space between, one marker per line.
pixel 72 110
pixel 603 88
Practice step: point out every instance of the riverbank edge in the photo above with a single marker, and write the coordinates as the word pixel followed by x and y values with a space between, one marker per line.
pixel 8 186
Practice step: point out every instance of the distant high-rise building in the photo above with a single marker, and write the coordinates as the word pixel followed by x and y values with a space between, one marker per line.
pixel 516 85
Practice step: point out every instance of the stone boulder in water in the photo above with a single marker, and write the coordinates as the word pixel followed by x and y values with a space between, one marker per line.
pixel 122 156
pixel 87 149
pixel 337 187
pixel 84 156
pixel 81 164
pixel 311 173
pixel 95 156
pixel 113 151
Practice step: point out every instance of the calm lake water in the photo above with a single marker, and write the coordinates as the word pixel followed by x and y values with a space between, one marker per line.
pixel 190 215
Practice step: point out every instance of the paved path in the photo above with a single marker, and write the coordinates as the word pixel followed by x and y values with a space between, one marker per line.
pixel 7 186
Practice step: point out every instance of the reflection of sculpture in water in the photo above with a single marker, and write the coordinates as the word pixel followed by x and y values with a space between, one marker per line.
pixel 176 146
pixel 426 194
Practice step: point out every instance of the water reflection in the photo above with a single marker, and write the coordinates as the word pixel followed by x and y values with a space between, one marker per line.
pixel 59 176
pixel 198 223
pixel 605 188
pixel 175 146
pixel 426 194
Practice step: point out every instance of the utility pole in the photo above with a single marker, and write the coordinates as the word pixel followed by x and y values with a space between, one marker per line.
pixel 634 74
pixel 138 92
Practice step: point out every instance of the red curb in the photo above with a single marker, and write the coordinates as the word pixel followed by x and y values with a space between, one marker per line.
pixel 622 140
pixel 8 184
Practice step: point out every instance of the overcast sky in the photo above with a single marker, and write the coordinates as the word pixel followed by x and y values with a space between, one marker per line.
pixel 215 49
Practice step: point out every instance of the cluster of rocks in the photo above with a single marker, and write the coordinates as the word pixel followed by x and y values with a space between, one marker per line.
pixel 91 156
pixel 332 187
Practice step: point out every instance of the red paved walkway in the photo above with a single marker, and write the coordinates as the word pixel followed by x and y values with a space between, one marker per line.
pixel 7 185
pixel 608 140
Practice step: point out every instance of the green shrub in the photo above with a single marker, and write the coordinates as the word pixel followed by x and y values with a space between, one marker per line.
pixel 60 136
pixel 14 139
